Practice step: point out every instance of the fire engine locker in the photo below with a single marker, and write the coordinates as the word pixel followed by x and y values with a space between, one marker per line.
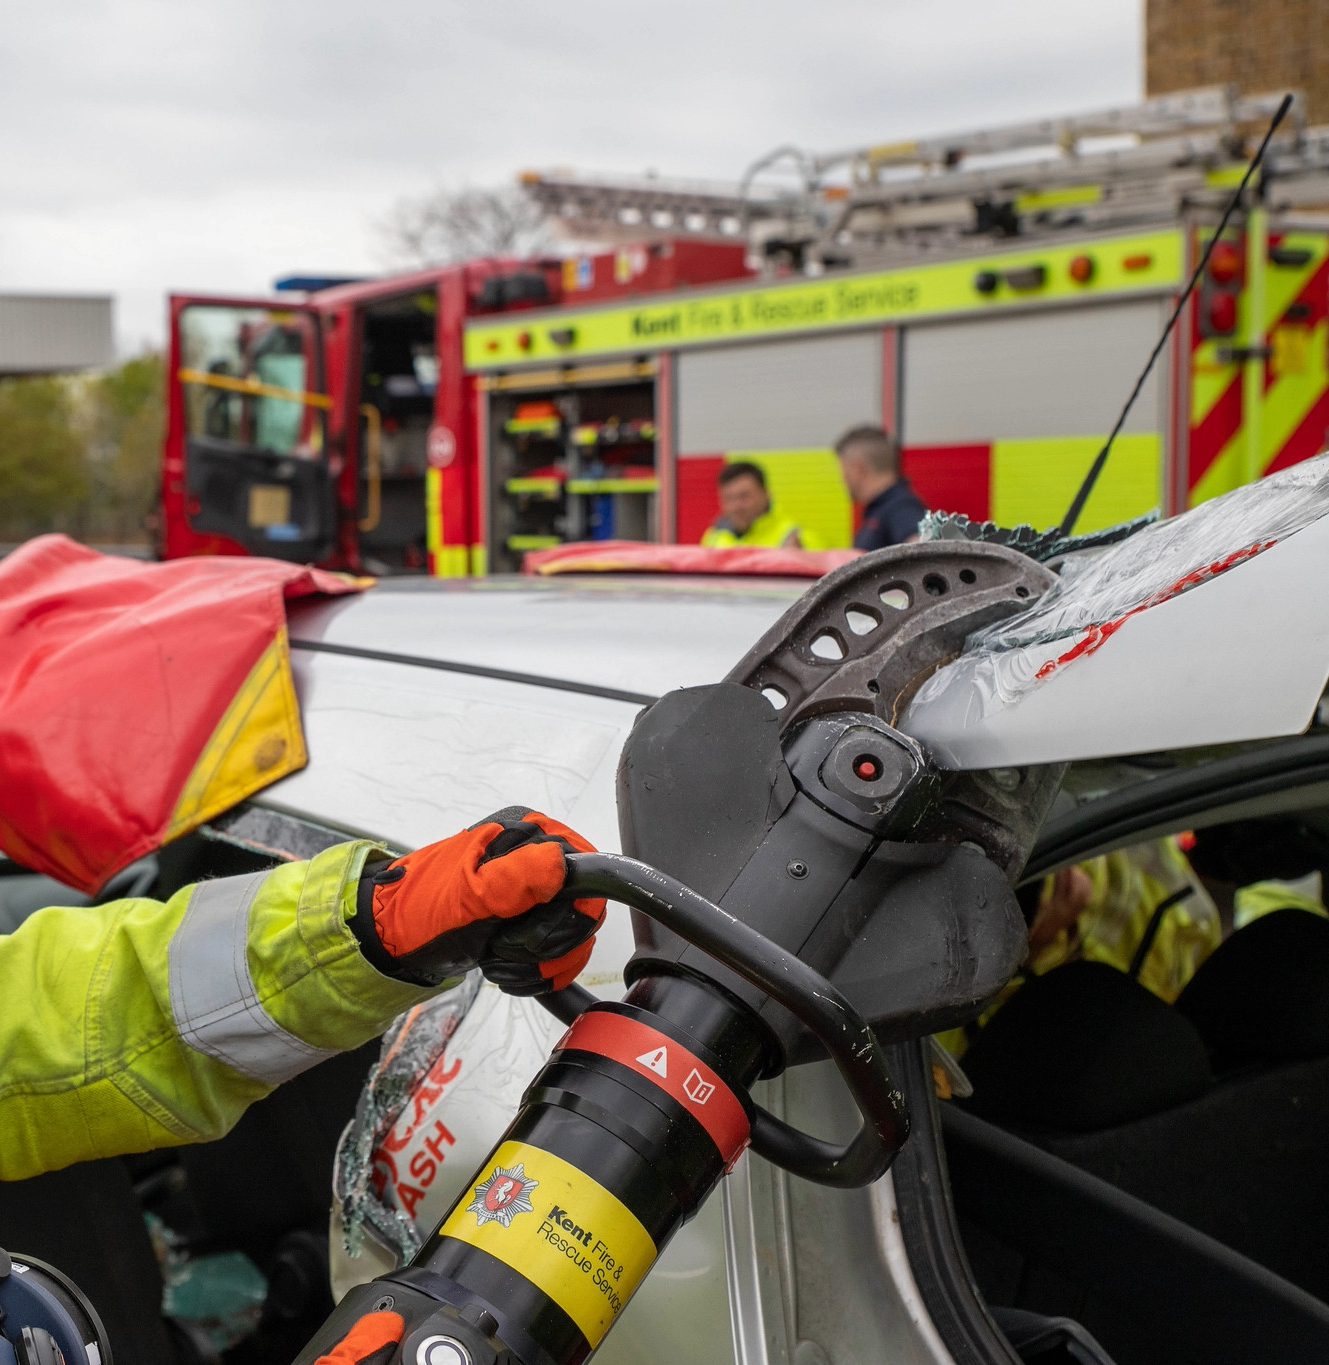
pixel 572 455
pixel 1002 416
pixel 780 404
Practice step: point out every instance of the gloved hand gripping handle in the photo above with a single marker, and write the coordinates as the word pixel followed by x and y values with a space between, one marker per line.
pixel 609 1156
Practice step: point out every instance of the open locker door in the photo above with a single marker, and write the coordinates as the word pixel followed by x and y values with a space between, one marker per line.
pixel 248 467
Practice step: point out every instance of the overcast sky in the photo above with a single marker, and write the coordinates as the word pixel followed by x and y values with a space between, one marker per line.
pixel 157 145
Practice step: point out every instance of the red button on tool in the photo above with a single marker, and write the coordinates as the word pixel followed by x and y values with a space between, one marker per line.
pixel 867 768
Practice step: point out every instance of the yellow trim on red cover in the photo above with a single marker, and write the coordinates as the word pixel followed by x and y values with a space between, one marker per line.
pixel 257 740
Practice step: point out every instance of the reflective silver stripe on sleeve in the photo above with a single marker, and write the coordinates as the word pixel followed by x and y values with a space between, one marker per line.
pixel 213 1000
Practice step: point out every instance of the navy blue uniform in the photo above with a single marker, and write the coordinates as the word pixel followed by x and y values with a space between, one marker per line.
pixel 890 518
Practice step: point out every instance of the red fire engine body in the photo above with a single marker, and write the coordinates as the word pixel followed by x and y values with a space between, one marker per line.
pixel 340 427
pixel 451 421
pixel 455 420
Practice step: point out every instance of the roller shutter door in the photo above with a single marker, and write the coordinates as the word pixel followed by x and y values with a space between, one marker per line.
pixel 1002 416
pixel 780 404
pixel 1060 373
pixel 777 395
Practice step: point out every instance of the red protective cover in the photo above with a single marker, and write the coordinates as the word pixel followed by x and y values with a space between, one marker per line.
pixel 114 675
pixel 631 556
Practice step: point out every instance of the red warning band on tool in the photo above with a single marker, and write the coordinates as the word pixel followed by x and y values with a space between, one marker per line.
pixel 679 1073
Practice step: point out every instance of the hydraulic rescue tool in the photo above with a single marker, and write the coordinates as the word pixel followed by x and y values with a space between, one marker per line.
pixel 806 885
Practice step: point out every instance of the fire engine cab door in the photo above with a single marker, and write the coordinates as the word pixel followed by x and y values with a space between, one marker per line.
pixel 252 418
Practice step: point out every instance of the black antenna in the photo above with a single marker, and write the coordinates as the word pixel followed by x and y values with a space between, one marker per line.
pixel 1091 478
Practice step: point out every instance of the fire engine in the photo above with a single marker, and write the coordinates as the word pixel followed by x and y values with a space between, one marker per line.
pixel 989 297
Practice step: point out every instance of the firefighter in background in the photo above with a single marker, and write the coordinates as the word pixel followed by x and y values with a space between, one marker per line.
pixel 746 514
pixel 145 1024
pixel 870 468
pixel 1159 910
pixel 1142 910
pixel 1154 973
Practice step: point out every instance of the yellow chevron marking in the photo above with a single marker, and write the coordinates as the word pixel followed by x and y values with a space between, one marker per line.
pixel 1298 364
pixel 1210 376
pixel 1286 403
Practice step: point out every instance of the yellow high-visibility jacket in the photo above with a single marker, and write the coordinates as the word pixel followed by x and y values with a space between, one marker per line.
pixel 143 1024
pixel 1129 886
pixel 769 529
pixel 1263 898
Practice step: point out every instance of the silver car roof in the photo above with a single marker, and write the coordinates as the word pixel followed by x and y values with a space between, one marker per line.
pixel 634 635
pixel 428 703
pixel 1206 629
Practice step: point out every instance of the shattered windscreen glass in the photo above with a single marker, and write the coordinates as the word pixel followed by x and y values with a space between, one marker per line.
pixel 406 1080
pixel 1098 593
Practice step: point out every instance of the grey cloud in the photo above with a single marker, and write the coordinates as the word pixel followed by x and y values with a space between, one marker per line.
pixel 220 138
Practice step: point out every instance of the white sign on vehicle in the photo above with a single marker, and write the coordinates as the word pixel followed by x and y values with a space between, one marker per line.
pixel 442 447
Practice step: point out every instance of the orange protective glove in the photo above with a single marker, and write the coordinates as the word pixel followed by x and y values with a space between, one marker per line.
pixel 491 896
pixel 372 1341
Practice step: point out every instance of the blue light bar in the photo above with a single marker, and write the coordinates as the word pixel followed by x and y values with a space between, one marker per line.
pixel 310 284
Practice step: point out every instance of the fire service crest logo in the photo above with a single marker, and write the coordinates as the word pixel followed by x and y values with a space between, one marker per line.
pixel 503 1196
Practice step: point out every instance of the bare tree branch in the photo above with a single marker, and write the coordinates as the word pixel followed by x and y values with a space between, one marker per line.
pixel 456 225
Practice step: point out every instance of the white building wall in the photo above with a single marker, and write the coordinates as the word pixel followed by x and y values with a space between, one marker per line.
pixel 45 333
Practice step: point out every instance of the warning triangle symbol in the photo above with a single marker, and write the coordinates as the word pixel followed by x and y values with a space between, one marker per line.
pixel 657 1061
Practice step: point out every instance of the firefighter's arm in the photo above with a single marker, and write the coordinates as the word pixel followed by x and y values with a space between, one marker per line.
pixel 145 1024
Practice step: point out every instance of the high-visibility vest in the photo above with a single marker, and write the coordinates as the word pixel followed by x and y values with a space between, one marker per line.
pixel 145 1024
pixel 1128 887
pixel 769 529
pixel 1263 898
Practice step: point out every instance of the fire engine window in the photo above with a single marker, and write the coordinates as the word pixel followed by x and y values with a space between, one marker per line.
pixel 223 349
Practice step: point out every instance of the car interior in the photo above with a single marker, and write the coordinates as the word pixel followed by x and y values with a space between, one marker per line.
pixel 1156 1174
pixel 1130 1181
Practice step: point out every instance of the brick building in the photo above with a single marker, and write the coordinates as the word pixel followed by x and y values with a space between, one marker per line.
pixel 1257 45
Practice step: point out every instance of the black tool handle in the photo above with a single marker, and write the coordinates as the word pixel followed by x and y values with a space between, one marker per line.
pixel 805 993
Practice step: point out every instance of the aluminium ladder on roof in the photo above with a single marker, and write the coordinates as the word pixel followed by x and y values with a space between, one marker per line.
pixel 1208 108
pixel 1114 167
pixel 607 208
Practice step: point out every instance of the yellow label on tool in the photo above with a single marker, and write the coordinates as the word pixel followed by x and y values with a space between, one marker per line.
pixel 559 1229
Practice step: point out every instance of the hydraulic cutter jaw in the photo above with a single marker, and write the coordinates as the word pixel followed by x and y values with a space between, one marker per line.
pixel 865 639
